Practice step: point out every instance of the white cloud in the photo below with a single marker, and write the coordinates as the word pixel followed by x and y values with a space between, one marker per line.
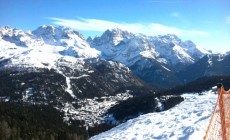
pixel 84 24
pixel 228 19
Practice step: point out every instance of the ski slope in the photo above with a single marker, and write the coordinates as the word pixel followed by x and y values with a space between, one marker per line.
pixel 186 121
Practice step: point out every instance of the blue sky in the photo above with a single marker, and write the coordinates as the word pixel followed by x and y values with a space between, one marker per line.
pixel 205 22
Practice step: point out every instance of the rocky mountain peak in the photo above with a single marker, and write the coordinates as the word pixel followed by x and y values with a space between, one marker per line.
pixel 169 38
pixel 113 37
pixel 56 33
pixel 15 36
pixel 9 31
pixel 117 31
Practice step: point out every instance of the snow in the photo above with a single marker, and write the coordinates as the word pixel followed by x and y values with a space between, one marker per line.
pixel 53 43
pixel 128 48
pixel 210 60
pixel 166 68
pixel 221 57
pixel 4 98
pixel 43 47
pixel 202 50
pixel 149 53
pixel 181 54
pixel 69 87
pixel 159 104
pixel 82 76
pixel 186 121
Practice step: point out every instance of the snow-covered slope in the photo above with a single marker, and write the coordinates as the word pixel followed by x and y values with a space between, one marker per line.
pixel 186 121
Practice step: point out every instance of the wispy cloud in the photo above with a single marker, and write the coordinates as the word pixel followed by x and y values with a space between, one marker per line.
pixel 228 19
pixel 84 24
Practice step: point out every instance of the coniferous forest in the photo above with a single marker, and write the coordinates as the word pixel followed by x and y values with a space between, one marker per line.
pixel 42 122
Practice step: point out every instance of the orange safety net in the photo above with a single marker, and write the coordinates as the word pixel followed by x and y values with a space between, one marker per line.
pixel 219 126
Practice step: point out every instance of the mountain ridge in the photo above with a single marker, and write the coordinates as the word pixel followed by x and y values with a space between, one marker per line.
pixel 157 60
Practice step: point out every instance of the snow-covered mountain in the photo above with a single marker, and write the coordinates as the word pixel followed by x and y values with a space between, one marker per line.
pixel 56 66
pixel 156 60
pixel 128 48
pixel 180 122
pixel 153 59
pixel 52 43
pixel 209 65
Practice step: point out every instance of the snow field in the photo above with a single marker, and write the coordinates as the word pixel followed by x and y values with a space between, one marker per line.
pixel 186 121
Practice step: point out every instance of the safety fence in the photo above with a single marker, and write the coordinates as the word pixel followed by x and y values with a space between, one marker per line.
pixel 219 125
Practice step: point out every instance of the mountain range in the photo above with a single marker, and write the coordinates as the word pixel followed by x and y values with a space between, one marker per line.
pixel 156 60
pixel 163 61
pixel 84 78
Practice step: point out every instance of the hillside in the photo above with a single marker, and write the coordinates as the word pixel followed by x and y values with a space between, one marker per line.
pixel 179 122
